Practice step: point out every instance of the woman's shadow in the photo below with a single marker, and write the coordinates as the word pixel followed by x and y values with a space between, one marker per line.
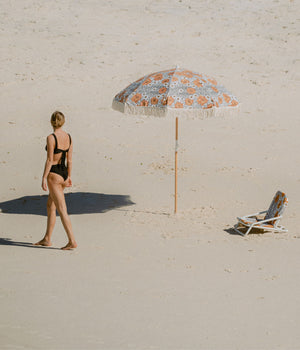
pixel 77 203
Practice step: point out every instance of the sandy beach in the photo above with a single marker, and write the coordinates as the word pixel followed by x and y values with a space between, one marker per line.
pixel 142 277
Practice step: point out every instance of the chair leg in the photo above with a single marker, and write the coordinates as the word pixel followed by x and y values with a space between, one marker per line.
pixel 249 229
pixel 280 229
pixel 235 227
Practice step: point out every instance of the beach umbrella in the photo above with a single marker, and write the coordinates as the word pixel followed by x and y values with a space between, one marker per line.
pixel 176 92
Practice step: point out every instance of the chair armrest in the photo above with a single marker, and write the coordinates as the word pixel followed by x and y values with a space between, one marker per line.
pixel 247 216
pixel 251 215
pixel 255 214
pixel 271 219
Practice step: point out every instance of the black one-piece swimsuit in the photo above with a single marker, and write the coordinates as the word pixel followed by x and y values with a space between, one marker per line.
pixel 60 168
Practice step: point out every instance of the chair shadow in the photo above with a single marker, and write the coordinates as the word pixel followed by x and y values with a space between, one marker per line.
pixel 77 203
pixel 231 231
pixel 254 231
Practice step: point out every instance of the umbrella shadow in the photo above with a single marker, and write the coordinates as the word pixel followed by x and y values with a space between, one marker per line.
pixel 77 203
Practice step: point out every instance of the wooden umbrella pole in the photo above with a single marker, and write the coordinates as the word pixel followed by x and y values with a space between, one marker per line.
pixel 176 163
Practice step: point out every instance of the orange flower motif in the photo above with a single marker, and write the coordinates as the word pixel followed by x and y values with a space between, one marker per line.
pixel 212 81
pixel 215 89
pixel 158 76
pixel 217 105
pixel 165 81
pixel 220 100
pixel 163 101
pixel 209 106
pixel 120 96
pixel 202 100
pixel 135 98
pixel 234 103
pixel 191 90
pixel 226 98
pixel 197 83
pixel 187 73
pixel 144 103
pixel 154 100
pixel 185 81
pixel 170 100
pixel 178 105
pixel 174 79
pixel 147 81
pixel 162 90
pixel 189 101
pixel 204 81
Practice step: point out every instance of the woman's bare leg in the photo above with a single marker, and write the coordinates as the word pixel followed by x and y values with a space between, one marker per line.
pixel 57 194
pixel 51 218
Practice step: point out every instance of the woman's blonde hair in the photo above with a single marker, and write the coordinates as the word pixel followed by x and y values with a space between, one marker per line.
pixel 57 119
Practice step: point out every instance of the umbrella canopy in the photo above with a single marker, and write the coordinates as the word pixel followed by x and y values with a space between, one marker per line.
pixel 177 92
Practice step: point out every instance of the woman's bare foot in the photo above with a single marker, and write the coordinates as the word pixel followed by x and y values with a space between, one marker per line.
pixel 44 242
pixel 70 245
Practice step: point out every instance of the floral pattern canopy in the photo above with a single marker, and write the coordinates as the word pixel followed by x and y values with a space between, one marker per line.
pixel 175 91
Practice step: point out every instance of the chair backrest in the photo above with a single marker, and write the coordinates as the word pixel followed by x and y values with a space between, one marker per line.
pixel 277 206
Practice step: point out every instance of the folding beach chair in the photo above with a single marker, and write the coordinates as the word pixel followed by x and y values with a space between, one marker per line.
pixel 270 221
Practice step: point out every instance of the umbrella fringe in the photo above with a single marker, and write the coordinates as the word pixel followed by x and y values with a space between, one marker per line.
pixel 176 112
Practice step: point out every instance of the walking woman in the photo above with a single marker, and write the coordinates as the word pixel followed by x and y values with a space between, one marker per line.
pixel 58 176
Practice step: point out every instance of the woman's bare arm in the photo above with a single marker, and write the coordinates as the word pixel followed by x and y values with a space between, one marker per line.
pixel 49 161
pixel 69 160
pixel 68 182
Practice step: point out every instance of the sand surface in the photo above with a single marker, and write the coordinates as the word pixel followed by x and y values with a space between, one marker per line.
pixel 142 277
